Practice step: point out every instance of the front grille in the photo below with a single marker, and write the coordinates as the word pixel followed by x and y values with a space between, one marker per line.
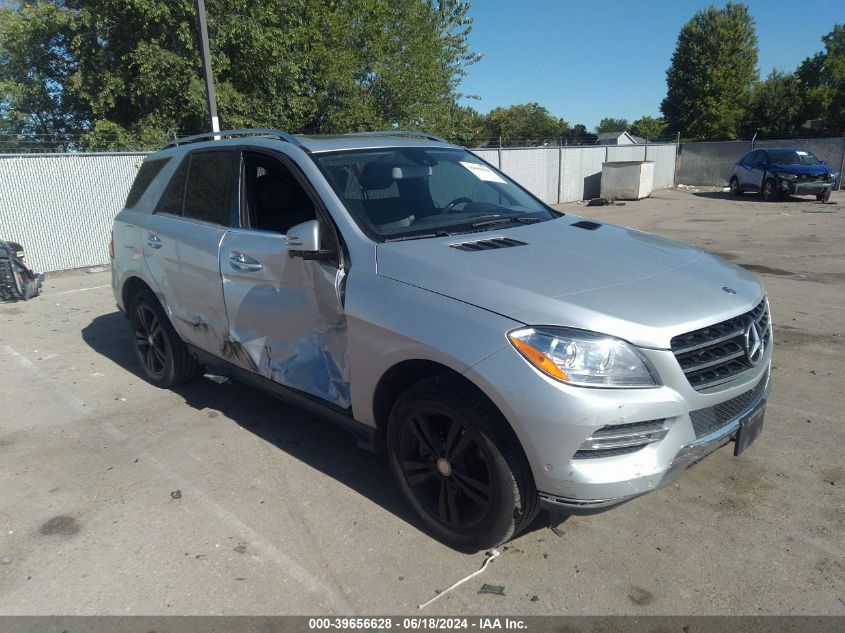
pixel 709 419
pixel 716 353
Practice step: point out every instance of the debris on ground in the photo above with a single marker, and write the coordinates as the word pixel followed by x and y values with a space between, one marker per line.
pixel 830 210
pixel 6 560
pixel 496 590
pixel 619 204
pixel 96 269
pixel 534 598
pixel 240 548
pixel 597 202
pixel 491 554
pixel 176 494
pixel 557 531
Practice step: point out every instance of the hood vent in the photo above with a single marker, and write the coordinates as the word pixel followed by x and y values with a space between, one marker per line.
pixel 586 224
pixel 488 245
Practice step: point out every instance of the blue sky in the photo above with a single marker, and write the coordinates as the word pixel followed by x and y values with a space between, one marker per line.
pixel 589 59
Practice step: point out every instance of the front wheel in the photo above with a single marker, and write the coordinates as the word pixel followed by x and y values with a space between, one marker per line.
pixel 736 192
pixel 823 197
pixel 164 358
pixel 770 191
pixel 459 464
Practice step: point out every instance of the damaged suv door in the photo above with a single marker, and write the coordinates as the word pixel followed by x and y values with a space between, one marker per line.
pixel 181 241
pixel 285 310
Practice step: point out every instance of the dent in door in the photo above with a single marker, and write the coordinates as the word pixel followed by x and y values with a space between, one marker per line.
pixel 294 331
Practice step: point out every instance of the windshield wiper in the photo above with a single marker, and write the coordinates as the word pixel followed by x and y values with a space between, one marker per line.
pixel 506 221
pixel 417 236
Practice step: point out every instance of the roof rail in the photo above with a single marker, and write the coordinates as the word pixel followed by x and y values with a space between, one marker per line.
pixel 258 131
pixel 430 137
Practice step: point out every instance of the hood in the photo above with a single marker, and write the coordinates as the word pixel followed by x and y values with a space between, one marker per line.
pixel 802 170
pixel 613 280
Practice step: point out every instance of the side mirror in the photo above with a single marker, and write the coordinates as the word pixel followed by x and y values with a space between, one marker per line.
pixel 823 162
pixel 304 241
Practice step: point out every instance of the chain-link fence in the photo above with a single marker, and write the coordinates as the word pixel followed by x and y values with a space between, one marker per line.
pixel 711 163
pixel 61 206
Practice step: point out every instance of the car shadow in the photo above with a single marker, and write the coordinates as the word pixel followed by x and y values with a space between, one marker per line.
pixel 307 437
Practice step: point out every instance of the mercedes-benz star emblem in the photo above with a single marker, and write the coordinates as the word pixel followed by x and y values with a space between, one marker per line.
pixel 754 346
pixel 730 291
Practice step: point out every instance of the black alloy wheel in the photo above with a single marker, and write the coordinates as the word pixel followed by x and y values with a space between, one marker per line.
pixel 459 464
pixel 445 466
pixel 150 343
pixel 163 356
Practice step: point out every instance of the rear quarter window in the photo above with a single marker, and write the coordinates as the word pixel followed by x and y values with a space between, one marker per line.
pixel 146 174
pixel 209 193
pixel 171 199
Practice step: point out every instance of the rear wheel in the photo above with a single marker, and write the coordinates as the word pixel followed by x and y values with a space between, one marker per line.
pixel 770 191
pixel 736 192
pixel 164 358
pixel 459 464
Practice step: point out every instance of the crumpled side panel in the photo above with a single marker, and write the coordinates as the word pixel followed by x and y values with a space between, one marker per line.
pixel 290 326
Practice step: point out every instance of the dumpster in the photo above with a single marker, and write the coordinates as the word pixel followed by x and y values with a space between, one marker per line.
pixel 627 179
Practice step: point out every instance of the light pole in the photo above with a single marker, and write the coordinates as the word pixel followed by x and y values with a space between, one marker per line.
pixel 206 66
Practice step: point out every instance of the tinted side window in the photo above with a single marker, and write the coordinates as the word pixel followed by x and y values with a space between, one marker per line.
pixel 149 170
pixel 171 199
pixel 208 195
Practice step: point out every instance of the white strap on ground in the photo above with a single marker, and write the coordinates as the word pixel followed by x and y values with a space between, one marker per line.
pixel 493 553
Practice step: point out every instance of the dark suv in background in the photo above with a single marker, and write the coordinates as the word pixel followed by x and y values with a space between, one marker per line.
pixel 782 171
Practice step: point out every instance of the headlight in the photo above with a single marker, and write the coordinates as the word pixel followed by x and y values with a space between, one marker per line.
pixel 583 358
pixel 787 176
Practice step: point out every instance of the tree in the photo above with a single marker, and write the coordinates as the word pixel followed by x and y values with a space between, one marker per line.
pixel 524 124
pixel 648 127
pixel 578 135
pixel 775 108
pixel 822 81
pixel 713 69
pixel 34 71
pixel 610 124
pixel 128 74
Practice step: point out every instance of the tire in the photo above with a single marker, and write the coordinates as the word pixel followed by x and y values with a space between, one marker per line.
pixel 823 197
pixel 459 464
pixel 163 356
pixel 770 192
pixel 736 192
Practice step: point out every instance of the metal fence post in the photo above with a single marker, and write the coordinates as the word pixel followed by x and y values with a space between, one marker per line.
pixel 841 166
pixel 559 172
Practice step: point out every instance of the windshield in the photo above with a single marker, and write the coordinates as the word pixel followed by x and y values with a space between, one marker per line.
pixel 799 157
pixel 404 193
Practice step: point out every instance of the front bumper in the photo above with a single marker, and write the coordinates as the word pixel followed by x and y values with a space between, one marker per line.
pixel 688 455
pixel 552 420
pixel 809 187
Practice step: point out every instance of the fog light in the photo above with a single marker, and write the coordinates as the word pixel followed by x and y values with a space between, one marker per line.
pixel 619 439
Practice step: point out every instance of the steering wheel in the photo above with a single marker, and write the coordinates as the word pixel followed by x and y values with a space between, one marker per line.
pixel 449 208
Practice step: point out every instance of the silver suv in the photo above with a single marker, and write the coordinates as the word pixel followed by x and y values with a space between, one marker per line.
pixel 505 355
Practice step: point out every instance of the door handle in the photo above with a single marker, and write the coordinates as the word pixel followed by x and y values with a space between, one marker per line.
pixel 153 241
pixel 239 261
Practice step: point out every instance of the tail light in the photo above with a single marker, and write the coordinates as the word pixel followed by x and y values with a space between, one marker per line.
pixel 111 245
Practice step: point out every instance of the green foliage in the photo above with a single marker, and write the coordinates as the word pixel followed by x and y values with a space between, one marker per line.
pixel 609 124
pixel 648 127
pixel 578 135
pixel 822 81
pixel 713 69
pixel 524 124
pixel 122 74
pixel 775 108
